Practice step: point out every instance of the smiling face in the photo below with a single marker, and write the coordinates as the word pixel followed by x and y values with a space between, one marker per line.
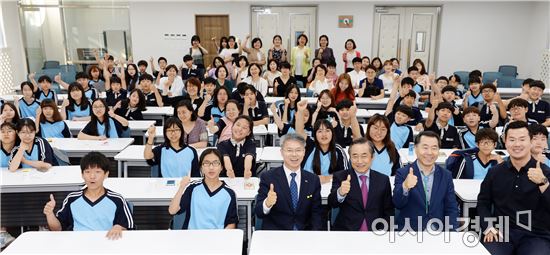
pixel 486 146
pixel 539 143
pixel 240 130
pixel 535 93
pixel 325 99
pixel 254 71
pixel 320 73
pixel 222 96
pixel 222 74
pixel 471 119
pixel 48 112
pixel 488 94
pixel 257 44
pixel 192 89
pixel 8 135
pixel 26 135
pixel 231 111
pixel 323 135
pixel 293 94
pixel 27 91
pixel 361 157
pixel 277 41
pixel 518 143
pixel 343 84
pixel 98 109
pixel 211 166
pixel 172 72
pixel 349 45
pixel 427 150
pixel 444 115
pixel 94 177
pixel 184 114
pixel 45 85
pixel 173 133
pixel 293 153
pixel 134 99
pixel 378 132
pixel 401 118
pixel 323 42
pixel 518 113
pixel 8 112
pixel 131 70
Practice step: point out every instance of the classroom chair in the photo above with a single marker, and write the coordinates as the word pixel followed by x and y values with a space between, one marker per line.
pixel 463 77
pixel 516 83
pixel 508 70
pixel 155 171
pixel 68 73
pixel 176 223
pixel 50 64
pixel 333 214
pixel 505 82
pixel 490 77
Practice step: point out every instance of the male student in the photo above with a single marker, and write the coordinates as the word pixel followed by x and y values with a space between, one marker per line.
pixel 490 97
pixel 448 94
pixel 425 191
pixel 539 109
pixel 93 208
pixel 401 133
pixel 361 195
pixel 473 95
pixel 471 120
pixel 289 198
pixel 477 162
pixel 356 75
pixel 447 134
pixel 189 70
pixel 516 190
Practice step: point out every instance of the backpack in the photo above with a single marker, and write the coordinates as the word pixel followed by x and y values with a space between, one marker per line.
pixel 454 161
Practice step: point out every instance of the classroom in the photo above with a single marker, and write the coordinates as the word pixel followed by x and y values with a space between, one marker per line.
pixel 274 127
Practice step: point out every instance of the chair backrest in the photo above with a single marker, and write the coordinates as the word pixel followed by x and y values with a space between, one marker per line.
pixel 490 77
pixel 51 64
pixel 155 171
pixel 516 83
pixel 176 223
pixel 333 214
pixel 505 82
pixel 463 77
pixel 508 70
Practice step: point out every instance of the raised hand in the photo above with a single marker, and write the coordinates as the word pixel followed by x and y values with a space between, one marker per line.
pixel 151 131
pixel 345 186
pixel 50 206
pixel 411 180
pixel 535 174
pixel 271 196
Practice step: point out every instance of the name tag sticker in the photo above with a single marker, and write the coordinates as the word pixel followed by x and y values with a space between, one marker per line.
pixel 449 139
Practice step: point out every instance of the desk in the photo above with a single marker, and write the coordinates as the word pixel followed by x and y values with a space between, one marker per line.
pixel 443 155
pixel 467 191
pixel 137 127
pixel 75 148
pixel 158 113
pixel 132 242
pixel 57 178
pixel 381 112
pixel 323 242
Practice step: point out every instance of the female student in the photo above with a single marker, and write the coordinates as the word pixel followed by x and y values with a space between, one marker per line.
pixel 49 122
pixel 222 45
pixel 288 108
pixel 272 72
pixel 77 107
pixel 277 52
pixel 388 76
pixel 343 89
pixel 132 107
pixel 223 127
pixel 194 129
pixel 281 83
pixel 197 52
pixel 325 108
pixel 132 77
pixel 386 157
pixel 28 104
pixel 222 80
pixel 96 81
pixel 229 55
pixel 217 109
pixel 371 86
pixel 256 110
pixel 43 89
pixel 320 82
pixel 290 126
pixel 211 72
pixel 310 73
pixel 241 70
pixel 239 152
pixel 9 113
pixel 423 79
pixel 255 79
pixel 171 86
pixel 255 54
pixel 174 158
pixel 32 151
pixel 349 54
pixel 300 58
pixel 208 203
pixel 114 87
pixel 324 52
pixel 104 123
pixel 8 140
pixel 193 86
pixel 323 156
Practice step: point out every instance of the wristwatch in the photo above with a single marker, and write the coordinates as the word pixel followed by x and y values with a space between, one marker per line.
pixel 544 182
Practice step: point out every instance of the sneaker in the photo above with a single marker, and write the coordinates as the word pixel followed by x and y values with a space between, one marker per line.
pixel 5 239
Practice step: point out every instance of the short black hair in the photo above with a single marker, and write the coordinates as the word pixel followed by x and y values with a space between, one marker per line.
pixel 474 79
pixel 445 105
pixel 187 58
pixel 405 110
pixel 346 103
pixel 427 134
pixel 331 63
pixel 44 78
pixel 95 159
pixel 352 41
pixel 216 153
pixel 474 73
pixel 162 58
pixel 81 75
pixel 411 69
pixel 457 78
pixel 408 80
pixel 186 103
pixel 26 83
pixel 411 93
pixel 517 125
pixel 448 88
pixel 195 38
pixel 146 77
pixel 486 134
pixel 209 80
pixel 115 79
pixel 527 81
pixel 285 65
pixel 537 129
pixel 489 86
pixel 538 84
pixel 518 102
pixel 442 78
pixel 143 63
pixel 257 39
pixel 356 60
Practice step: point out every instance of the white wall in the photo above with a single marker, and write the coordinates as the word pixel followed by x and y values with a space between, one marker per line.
pixel 12 31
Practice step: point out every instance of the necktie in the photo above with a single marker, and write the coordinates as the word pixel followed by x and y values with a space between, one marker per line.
pixel 365 194
pixel 294 191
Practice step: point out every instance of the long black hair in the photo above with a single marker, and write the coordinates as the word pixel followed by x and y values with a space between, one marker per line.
pixel 331 148
pixel 84 103
pixel 170 122
pixel 95 120
pixel 12 106
pixel 142 104
pixel 131 80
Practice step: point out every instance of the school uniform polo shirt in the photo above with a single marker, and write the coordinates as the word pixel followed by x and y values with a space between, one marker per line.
pixel 175 163
pixel 58 129
pixel 539 110
pixel 28 110
pixel 40 95
pixel 237 152
pixel 259 112
pixel 448 135
pixel 401 135
pixel 344 135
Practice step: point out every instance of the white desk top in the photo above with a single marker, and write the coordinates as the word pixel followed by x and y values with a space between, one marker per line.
pixel 333 242
pixel 260 130
pixel 58 178
pixel 270 155
pixel 74 145
pixel 443 155
pixel 467 190
pixel 135 153
pixel 132 242
pixel 381 112
pixel 158 111
pixel 139 125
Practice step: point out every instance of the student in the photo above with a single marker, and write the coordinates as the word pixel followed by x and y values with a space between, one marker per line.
pixel 323 156
pixel 9 140
pixel 365 61
pixel 539 109
pixel 94 208
pixel 348 129
pixel 524 91
pixel 115 88
pixel 230 54
pixel 422 181
pixel 76 107
pixel 371 86
pixel 395 64
pixel 413 74
pixel 82 79
pixel 518 109
pixel 241 70
pixel 490 97
pixel 255 54
pixel 44 91
pixel 193 86
pixel 448 94
pixel 386 156
pixel 473 95
pixel 320 82
pixel 300 59
pixel 222 80
pixel 282 83
pixel 272 72
pixel 289 198
pixel 401 133
pixel 343 89
pixel 324 52
pixel 194 129
pixel 9 113
pixel 150 91
pixel 389 76
pixel 239 152
pixel 277 52
pixel 254 78
pixel 362 196
pixel 377 64
pixel 288 108
pixel 238 94
pixel 142 67
pixel 209 87
pixel 519 183
pixel 407 100
pixel 325 108
pixel 468 133
pixel 253 108
pixel 211 71
pixel 217 109
pixel 132 77
pixel 222 45
pixel 222 128
pixel 161 73
pixel 197 52
pixel 476 164
pixel 95 79
pixel 190 70
pixel 539 150
pixel 454 80
pixel 174 158
pixel 208 203
pixel 357 74
pixel 448 134
pixel 104 123
pixel 132 107
pixel 332 76
pixel 49 120
pixel 28 104
pixel 290 127
pixel 349 57
pixel 32 151
pixel 171 86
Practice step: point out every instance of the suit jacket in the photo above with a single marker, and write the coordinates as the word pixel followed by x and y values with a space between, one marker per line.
pixel 442 201
pixel 282 216
pixel 352 211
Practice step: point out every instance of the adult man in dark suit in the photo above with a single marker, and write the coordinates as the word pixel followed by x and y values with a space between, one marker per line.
pixel 431 199
pixel 361 195
pixel 288 197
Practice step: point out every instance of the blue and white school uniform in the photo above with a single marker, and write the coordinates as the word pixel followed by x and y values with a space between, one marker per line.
pixel 114 131
pixel 467 138
pixel 401 135
pixel 57 129
pixel 237 153
pixel 78 213
pixel 342 162
pixel 381 162
pixel 28 110
pixel 78 111
pixel 207 209
pixel 291 112
pixel 175 163
pixel 215 112
pixel 5 160
pixel 91 93
pixel 41 151
pixel 40 95
pixel 475 99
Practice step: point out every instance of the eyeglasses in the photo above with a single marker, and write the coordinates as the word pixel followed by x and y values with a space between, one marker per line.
pixel 487 91
pixel 486 143
pixel 213 163
pixel 294 151
pixel 173 131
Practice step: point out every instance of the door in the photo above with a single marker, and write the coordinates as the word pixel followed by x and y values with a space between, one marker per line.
pixel 207 27
pixel 406 33
pixel 288 22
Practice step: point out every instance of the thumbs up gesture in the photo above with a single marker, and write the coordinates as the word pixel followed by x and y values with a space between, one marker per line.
pixel 50 206
pixel 411 180
pixel 271 197
pixel 345 186
pixel 535 174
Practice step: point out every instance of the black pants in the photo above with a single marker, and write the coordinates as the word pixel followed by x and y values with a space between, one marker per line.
pixel 521 242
